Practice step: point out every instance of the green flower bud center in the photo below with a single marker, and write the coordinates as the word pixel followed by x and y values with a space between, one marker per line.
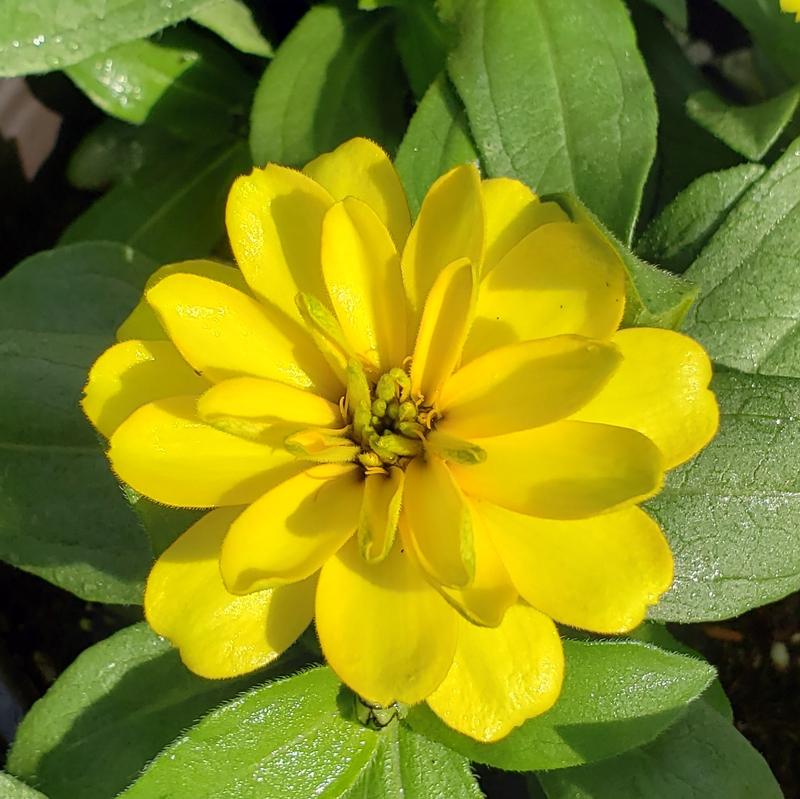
pixel 387 426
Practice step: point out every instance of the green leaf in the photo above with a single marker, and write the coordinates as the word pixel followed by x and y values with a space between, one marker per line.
pixel 62 514
pixel 42 35
pixel 676 237
pixel 748 311
pixel 110 713
pixel 776 33
pixel 616 695
pixel 335 76
pixel 182 82
pixel 685 150
pixel 674 10
pixel 657 634
pixel 13 789
pixel 731 515
pixel 558 96
pixel 750 130
pixel 296 738
pixel 162 524
pixel 233 21
pixel 422 41
pixel 114 151
pixel 702 755
pixel 173 207
pixel 436 140
pixel 654 298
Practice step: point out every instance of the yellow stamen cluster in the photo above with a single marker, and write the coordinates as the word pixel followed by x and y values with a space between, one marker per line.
pixel 384 418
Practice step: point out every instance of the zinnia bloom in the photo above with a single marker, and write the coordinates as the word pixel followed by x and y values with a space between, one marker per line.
pixel 791 7
pixel 431 439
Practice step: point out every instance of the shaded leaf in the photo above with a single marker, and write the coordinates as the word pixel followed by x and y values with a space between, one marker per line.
pixel 62 514
pixel 731 514
pixel 173 207
pixel 675 238
pixel 701 755
pixel 335 76
pixel 777 34
pixel 422 41
pixel 436 140
pixel 685 150
pixel 617 695
pixel 750 130
pixel 558 96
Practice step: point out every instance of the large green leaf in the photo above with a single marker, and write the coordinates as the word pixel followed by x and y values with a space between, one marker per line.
pixel 297 738
pixel 173 207
pixel 13 789
pixel 676 237
pixel 732 514
pixel 233 21
pixel 748 311
pixel 335 76
pixel 654 298
pixel 41 35
pixel 62 514
pixel 777 34
pixel 110 713
pixel 617 695
pixel 750 130
pixel 702 755
pixel 181 82
pixel 558 96
pixel 436 140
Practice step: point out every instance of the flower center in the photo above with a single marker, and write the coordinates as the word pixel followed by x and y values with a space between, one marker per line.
pixel 387 423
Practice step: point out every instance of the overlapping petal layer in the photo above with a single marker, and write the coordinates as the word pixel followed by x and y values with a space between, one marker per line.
pixel 219 634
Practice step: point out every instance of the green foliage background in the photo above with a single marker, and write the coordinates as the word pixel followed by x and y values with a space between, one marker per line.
pixel 698 184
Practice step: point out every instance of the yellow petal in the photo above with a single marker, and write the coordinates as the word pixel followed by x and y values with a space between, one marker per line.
pixel 501 676
pixel 449 227
pixel 562 278
pixel 274 219
pixel 220 635
pixel 224 333
pixel 565 470
pixel 487 598
pixel 444 326
pixel 380 512
pixel 598 574
pixel 661 390
pixel 132 373
pixel 166 453
pixel 512 212
pixel 360 168
pixel 525 385
pixel 439 522
pixel 142 323
pixel 286 535
pixel 383 629
pixel 362 273
pixel 251 407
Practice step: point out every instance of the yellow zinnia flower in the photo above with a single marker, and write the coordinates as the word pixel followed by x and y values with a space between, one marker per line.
pixel 431 439
pixel 791 7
